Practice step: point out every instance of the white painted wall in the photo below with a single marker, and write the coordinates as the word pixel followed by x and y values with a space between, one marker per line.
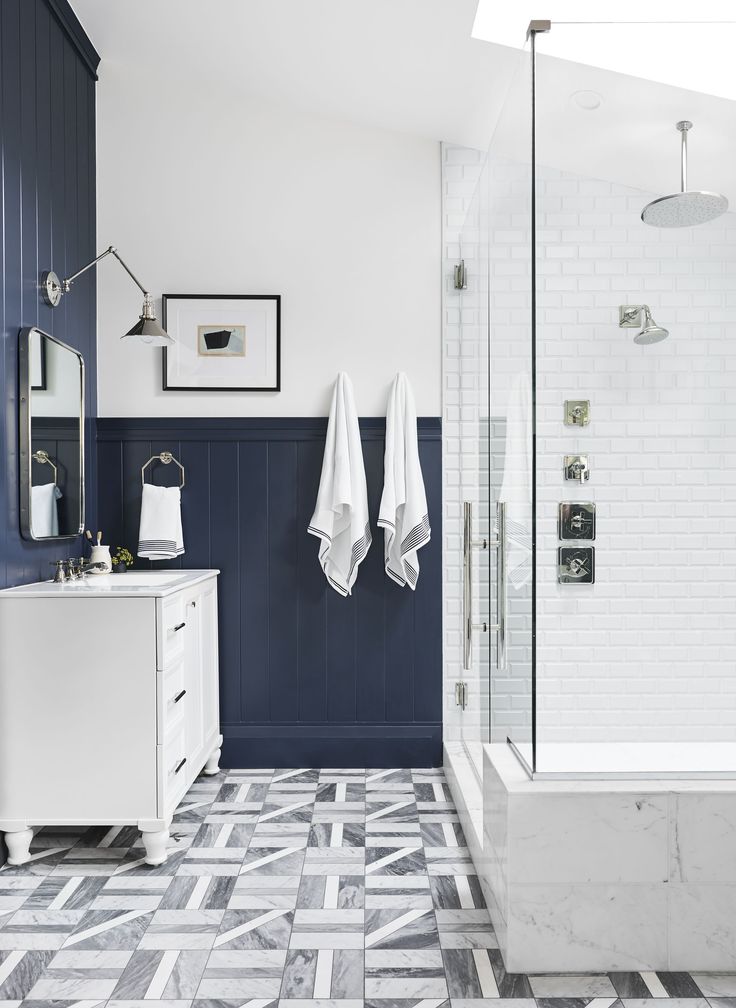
pixel 342 220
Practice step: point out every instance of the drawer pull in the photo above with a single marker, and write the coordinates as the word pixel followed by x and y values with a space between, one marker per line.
pixel 179 626
pixel 179 765
pixel 178 696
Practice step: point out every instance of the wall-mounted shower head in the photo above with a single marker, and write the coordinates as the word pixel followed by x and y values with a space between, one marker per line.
pixel 688 207
pixel 640 317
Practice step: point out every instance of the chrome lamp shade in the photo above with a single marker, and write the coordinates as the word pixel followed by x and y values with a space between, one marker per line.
pixel 147 329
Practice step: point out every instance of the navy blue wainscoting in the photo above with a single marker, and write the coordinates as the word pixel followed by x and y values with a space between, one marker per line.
pixel 307 678
pixel 47 161
pixel 47 146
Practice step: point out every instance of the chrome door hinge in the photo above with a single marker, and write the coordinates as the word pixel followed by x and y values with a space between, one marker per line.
pixel 461 694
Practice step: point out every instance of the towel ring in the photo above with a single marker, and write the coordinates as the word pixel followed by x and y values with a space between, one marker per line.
pixel 43 457
pixel 166 457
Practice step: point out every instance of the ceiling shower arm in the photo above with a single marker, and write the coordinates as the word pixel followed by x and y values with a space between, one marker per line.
pixel 683 126
pixel 67 283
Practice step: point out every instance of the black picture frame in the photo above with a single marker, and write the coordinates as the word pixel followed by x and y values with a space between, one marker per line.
pixel 43 387
pixel 222 388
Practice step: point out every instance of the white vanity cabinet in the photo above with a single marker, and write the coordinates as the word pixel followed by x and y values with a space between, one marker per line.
pixel 109 702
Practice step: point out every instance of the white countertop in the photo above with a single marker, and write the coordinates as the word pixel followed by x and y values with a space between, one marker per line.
pixel 132 584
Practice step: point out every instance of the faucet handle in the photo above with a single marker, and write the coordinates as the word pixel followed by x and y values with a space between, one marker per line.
pixel 60 575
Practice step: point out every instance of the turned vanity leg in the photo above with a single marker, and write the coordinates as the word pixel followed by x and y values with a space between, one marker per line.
pixel 212 766
pixel 155 842
pixel 18 842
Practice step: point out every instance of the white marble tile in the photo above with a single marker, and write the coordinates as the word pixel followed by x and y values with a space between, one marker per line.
pixel 570 929
pixel 557 986
pixel 716 984
pixel 588 838
pixel 702 927
pixel 702 847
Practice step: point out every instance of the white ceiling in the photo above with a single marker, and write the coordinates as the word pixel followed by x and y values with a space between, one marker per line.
pixel 412 66
pixel 406 65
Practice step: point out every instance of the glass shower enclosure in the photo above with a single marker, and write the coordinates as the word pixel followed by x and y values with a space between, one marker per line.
pixel 598 447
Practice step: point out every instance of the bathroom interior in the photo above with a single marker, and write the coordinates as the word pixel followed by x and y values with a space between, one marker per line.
pixel 368 509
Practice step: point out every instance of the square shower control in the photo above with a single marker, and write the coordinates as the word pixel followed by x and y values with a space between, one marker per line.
pixel 576 521
pixel 576 565
pixel 577 412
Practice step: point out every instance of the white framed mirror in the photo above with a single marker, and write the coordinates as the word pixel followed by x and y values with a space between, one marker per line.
pixel 51 431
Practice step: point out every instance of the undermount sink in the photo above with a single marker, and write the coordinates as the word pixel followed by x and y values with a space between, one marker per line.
pixel 134 579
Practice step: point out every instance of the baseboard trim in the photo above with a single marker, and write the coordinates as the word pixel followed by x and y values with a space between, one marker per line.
pixel 379 746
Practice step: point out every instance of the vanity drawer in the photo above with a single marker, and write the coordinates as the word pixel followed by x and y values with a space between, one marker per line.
pixel 174 766
pixel 171 698
pixel 171 633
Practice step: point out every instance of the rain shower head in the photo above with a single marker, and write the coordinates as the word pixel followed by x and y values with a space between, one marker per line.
pixel 630 317
pixel 688 207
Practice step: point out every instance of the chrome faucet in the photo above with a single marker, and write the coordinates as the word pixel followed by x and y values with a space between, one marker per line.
pixel 60 575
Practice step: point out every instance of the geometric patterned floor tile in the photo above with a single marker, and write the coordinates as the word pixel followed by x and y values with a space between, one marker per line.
pixel 285 888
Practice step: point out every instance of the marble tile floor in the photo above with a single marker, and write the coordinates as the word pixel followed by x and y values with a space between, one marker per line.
pixel 284 889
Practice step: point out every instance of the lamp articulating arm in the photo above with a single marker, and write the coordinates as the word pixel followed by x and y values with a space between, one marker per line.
pixel 145 329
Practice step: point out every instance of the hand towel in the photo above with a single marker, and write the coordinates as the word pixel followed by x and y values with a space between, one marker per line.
pixel 403 511
pixel 160 536
pixel 340 517
pixel 44 510
pixel 516 490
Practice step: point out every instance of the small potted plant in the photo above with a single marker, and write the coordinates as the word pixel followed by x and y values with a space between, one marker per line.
pixel 121 560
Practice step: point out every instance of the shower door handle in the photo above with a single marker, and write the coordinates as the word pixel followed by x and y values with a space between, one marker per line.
pixel 467 585
pixel 501 596
pixel 468 625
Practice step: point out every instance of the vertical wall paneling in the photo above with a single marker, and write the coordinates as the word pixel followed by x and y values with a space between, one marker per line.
pixel 47 202
pixel 47 148
pixel 307 677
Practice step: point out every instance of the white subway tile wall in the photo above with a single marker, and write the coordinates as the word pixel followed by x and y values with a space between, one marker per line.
pixel 648 653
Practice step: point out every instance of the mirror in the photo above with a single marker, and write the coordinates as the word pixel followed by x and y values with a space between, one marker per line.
pixel 51 399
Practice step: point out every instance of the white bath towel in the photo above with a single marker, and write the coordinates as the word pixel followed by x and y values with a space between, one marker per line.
pixel 403 511
pixel 516 490
pixel 340 517
pixel 44 510
pixel 160 536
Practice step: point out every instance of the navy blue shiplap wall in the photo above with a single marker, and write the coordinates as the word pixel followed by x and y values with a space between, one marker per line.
pixel 47 157
pixel 47 147
pixel 307 678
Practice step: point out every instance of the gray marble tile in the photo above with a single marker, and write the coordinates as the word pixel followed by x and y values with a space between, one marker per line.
pixel 262 899
pixel 328 929
pixel 408 860
pixel 679 985
pixel 20 970
pixel 39 929
pixel 65 893
pixel 414 929
pixel 347 973
pixel 336 834
pixel 109 929
pixel 182 929
pixel 264 892
pixel 255 929
pixel 299 971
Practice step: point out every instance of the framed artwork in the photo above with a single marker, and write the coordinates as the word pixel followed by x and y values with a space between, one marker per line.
pixel 223 342
pixel 37 362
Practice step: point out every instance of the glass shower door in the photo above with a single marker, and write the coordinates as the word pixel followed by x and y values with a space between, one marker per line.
pixel 497 436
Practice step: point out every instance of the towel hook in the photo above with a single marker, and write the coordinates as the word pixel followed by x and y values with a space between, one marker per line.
pixel 43 456
pixel 166 457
